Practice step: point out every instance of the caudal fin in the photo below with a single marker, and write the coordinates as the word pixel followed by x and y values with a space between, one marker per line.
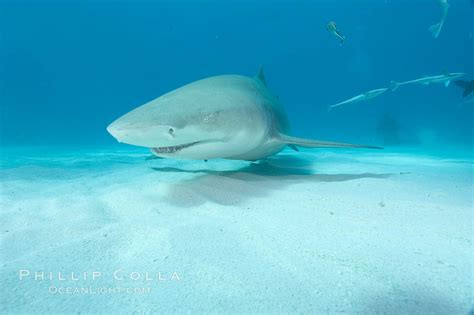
pixel 394 85
pixel 330 107
pixel 341 37
pixel 309 143
pixel 436 29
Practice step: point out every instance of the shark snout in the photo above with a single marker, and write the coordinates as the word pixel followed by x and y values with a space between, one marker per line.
pixel 129 133
pixel 140 134
pixel 114 131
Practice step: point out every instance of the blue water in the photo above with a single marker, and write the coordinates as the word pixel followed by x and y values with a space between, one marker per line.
pixel 317 231
pixel 68 69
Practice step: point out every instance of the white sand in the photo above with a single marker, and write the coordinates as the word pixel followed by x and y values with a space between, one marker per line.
pixel 318 231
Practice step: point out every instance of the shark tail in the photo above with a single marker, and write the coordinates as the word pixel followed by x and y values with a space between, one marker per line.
pixel 330 107
pixel 436 29
pixel 341 37
pixel 394 85
pixel 309 143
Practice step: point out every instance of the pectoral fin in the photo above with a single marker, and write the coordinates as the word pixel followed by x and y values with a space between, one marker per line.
pixel 394 85
pixel 294 147
pixel 309 143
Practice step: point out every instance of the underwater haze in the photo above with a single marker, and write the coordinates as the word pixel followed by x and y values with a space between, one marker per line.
pixel 68 69
pixel 97 226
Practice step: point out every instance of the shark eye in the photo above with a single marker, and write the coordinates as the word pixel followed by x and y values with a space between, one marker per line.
pixel 171 131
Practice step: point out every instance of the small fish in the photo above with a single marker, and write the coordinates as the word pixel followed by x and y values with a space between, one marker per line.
pixel 442 78
pixel 361 97
pixel 332 28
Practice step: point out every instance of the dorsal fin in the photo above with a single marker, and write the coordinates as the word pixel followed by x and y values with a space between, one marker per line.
pixel 261 76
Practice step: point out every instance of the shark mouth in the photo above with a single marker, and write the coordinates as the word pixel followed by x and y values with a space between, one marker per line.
pixel 173 149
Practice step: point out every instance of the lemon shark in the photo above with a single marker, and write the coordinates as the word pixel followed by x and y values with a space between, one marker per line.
pixel 361 97
pixel 227 116
pixel 442 78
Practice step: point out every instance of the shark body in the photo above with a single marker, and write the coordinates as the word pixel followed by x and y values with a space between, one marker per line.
pixel 228 116
pixel 361 97
pixel 442 78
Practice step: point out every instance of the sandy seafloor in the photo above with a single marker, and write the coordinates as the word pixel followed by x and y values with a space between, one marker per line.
pixel 316 231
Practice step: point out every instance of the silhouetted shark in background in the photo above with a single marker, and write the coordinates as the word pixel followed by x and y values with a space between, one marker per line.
pixel 468 86
pixel 436 29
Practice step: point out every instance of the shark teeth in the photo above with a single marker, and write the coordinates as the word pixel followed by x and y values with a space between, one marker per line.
pixel 172 149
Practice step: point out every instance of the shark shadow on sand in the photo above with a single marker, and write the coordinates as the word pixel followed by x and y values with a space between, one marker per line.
pixel 257 180
pixel 416 299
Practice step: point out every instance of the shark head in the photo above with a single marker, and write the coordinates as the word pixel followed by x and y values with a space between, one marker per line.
pixel 169 133
pixel 192 122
